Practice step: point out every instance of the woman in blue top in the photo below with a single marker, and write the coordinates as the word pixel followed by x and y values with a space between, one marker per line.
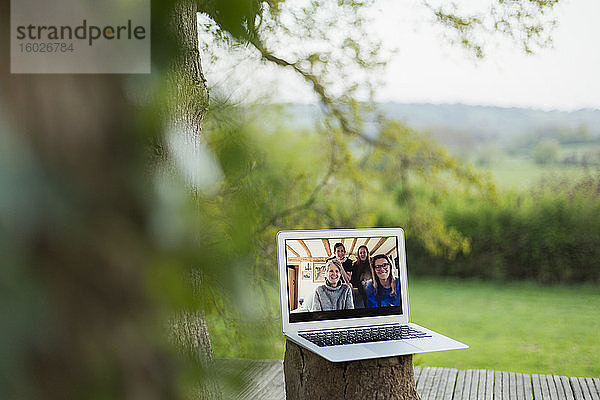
pixel 383 289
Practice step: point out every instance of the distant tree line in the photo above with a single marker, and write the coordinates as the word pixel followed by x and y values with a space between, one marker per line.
pixel 548 235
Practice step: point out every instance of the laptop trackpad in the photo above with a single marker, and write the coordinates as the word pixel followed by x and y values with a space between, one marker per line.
pixel 391 348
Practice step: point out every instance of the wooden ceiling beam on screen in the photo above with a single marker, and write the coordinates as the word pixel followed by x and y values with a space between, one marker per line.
pixel 293 260
pixel 292 250
pixel 305 247
pixel 353 244
pixel 327 247
pixel 392 250
pixel 379 244
pixel 366 243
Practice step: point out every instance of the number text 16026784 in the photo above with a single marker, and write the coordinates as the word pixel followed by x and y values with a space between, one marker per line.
pixel 46 47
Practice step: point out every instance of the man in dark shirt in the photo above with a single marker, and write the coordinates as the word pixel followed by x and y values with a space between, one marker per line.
pixel 340 253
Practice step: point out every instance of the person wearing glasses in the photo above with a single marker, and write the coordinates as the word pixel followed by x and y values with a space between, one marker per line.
pixel 383 290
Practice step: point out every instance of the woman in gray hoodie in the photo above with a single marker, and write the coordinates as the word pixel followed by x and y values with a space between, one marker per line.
pixel 334 294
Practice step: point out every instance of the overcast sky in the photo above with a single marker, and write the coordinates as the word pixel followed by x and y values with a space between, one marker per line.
pixel 564 77
pixel 427 69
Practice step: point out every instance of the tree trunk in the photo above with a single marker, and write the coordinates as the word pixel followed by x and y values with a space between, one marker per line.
pixel 83 325
pixel 77 242
pixel 187 101
pixel 309 376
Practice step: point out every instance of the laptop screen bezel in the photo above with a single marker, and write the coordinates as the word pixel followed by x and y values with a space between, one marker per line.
pixel 287 326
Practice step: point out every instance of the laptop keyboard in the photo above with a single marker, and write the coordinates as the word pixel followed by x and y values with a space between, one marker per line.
pixel 362 335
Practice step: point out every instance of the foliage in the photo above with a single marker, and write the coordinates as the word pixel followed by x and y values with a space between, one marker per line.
pixel 545 152
pixel 337 175
pixel 272 178
pixel 549 235
pixel 115 223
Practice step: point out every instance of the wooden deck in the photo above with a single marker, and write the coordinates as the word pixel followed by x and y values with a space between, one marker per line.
pixel 258 379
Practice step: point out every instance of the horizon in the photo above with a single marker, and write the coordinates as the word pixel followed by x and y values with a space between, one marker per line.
pixel 529 108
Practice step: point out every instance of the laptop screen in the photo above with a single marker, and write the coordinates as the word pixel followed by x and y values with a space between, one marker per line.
pixel 343 277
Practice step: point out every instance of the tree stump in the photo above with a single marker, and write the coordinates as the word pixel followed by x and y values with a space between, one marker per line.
pixel 309 376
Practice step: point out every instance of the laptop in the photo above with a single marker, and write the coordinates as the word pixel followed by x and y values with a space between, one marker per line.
pixel 346 311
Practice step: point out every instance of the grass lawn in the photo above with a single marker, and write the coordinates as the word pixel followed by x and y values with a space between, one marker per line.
pixel 521 327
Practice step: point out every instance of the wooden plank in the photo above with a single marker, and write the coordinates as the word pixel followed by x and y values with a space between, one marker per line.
pixel 552 387
pixel 576 388
pixel 272 387
pixel 505 386
pixel 422 375
pixel 264 379
pixel 498 385
pixel 537 387
pixel 545 388
pixel 481 384
pixel 527 390
pixel 584 389
pixel 592 389
pixel 473 389
pixel 252 378
pixel 597 385
pixel 424 380
pixel 559 388
pixel 520 386
pixel 259 386
pixel 416 373
pixel 440 384
pixel 512 383
pixel 460 385
pixel 567 388
pixel 426 387
pixel 467 387
pixel 489 385
pixel 450 385
pixel 435 382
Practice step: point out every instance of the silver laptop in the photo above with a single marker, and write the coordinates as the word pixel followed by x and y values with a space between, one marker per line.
pixel 345 310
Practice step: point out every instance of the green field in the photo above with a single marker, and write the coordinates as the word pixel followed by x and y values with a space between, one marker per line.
pixel 522 327
pixel 521 173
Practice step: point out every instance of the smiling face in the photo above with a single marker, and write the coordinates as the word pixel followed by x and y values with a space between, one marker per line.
pixel 382 268
pixel 333 274
pixel 362 254
pixel 340 252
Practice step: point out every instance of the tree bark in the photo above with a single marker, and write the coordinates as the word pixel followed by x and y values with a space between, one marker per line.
pixel 187 102
pixel 187 99
pixel 309 376
pixel 81 246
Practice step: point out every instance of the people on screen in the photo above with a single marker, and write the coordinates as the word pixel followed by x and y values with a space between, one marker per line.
pixel 334 294
pixel 383 290
pixel 361 274
pixel 340 255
